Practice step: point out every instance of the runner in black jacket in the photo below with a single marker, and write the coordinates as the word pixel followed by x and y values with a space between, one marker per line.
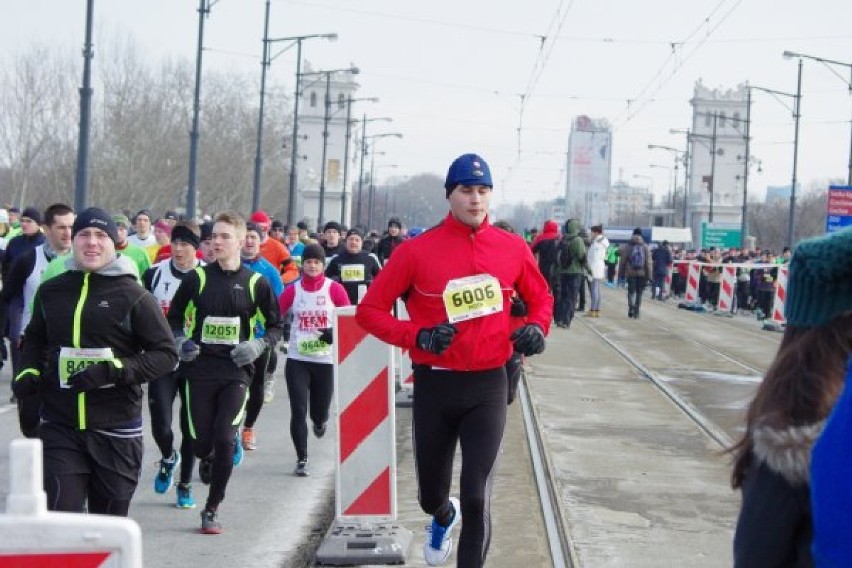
pixel 95 337
pixel 214 315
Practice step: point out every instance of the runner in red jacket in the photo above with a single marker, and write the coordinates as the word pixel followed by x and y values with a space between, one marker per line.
pixel 460 336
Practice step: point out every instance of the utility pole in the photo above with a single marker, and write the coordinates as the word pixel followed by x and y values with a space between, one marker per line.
pixel 361 170
pixel 744 223
pixel 712 167
pixel 81 184
pixel 325 119
pixel 258 156
pixel 791 223
pixel 191 196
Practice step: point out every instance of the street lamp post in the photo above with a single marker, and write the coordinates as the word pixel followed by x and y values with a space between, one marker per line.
pixel 258 155
pixel 81 184
pixel 349 101
pixel 297 41
pixel 672 182
pixel 372 173
pixel 191 196
pixel 364 137
pixel 679 155
pixel 712 167
pixel 797 98
pixel 828 63
pixel 325 120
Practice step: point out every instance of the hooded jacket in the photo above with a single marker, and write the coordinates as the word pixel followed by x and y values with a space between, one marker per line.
pixel 597 257
pixel 574 242
pixel 624 266
pixel 774 527
pixel 106 308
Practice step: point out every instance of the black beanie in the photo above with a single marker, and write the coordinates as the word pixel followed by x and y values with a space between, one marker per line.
pixel 32 213
pixel 355 231
pixel 313 251
pixel 97 218
pixel 333 226
pixel 184 234
pixel 206 230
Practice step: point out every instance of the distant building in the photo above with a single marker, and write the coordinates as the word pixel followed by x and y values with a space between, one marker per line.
pixel 589 166
pixel 623 204
pixel 717 121
pixel 309 165
pixel 779 192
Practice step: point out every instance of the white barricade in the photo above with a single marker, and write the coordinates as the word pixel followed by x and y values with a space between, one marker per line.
pixel 365 506
pixel 667 288
pixel 31 537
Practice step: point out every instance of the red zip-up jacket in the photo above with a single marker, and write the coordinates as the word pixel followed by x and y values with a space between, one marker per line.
pixel 420 269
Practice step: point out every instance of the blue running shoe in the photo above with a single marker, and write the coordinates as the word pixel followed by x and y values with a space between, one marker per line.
pixel 165 477
pixel 238 449
pixel 439 542
pixel 185 499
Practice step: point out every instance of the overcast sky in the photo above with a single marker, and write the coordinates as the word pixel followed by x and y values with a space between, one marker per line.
pixel 463 75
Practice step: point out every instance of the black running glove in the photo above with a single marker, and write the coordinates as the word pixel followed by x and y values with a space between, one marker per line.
pixel 27 383
pixel 518 309
pixel 91 378
pixel 436 339
pixel 529 339
pixel 325 335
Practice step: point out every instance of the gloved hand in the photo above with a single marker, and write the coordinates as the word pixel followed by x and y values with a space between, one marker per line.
pixel 519 308
pixel 91 378
pixel 26 384
pixel 187 349
pixel 326 335
pixel 529 339
pixel 246 352
pixel 436 339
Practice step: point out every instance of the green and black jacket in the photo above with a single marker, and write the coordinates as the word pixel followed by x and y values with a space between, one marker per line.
pixel 212 291
pixel 103 309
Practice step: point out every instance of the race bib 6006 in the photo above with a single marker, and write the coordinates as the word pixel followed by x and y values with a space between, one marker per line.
pixel 472 297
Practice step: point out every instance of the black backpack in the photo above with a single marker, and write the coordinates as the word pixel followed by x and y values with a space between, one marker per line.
pixel 564 254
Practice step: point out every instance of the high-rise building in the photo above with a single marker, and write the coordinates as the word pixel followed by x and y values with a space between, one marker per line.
pixel 589 168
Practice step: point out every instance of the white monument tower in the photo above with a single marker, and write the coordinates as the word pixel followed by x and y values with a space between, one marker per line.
pixel 314 121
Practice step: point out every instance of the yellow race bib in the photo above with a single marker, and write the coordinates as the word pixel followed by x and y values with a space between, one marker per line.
pixel 472 297
pixel 73 360
pixel 352 272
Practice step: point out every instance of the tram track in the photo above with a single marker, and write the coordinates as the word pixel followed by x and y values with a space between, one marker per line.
pixel 715 433
pixel 562 550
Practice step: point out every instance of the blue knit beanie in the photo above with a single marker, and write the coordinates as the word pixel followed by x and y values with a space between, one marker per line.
pixel 819 286
pixel 467 169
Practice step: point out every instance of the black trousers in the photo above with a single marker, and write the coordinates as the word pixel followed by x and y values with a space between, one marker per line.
pixel 569 285
pixel 258 380
pixel 89 467
pixel 216 408
pixel 635 287
pixel 453 407
pixel 161 398
pixel 310 386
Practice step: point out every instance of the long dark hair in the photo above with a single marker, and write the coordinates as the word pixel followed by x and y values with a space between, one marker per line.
pixel 801 385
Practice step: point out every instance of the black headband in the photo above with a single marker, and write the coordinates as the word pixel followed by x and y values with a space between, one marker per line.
pixel 183 233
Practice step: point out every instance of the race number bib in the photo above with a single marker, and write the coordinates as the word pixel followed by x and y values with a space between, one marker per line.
pixel 352 272
pixel 297 260
pixel 314 347
pixel 220 330
pixel 472 297
pixel 73 360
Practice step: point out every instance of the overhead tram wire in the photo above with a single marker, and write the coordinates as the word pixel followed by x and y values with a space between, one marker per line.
pixel 642 100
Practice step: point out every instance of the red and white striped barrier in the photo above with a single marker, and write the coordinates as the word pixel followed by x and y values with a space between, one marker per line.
pixel 727 288
pixel 366 450
pixel 692 279
pixel 778 316
pixel 364 531
pixel 667 287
